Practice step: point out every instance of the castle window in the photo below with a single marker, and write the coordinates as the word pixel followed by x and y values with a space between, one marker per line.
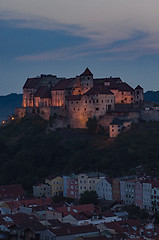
pixel 86 101
pixel 131 98
pixel 72 102
pixel 137 92
pixel 74 109
pixel 122 93
pixel 112 130
pixel 76 102
pixel 85 109
pixel 78 109
pixel 88 78
pixel 125 99
pixel 97 100
pixel 108 100
pixel 90 101
pixel 97 109
pixel 87 84
pixel 102 101
pixel 93 101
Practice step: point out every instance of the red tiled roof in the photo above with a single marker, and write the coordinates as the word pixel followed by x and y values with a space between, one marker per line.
pixel 87 72
pixel 110 80
pixel 124 87
pixel 96 238
pixel 108 214
pixel 36 201
pixel 13 204
pixel 109 180
pixel 62 84
pixel 43 92
pixel 32 83
pixel 74 230
pixel 76 209
pixel 131 222
pixel 98 89
pixel 16 218
pixel 73 97
pixel 34 225
pixel 11 192
pixel 79 216
pixel 114 226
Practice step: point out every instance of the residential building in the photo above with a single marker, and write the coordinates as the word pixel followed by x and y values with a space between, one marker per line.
pixel 87 182
pixel 56 183
pixel 72 187
pixel 104 188
pixel 116 189
pixel 117 126
pixel 42 190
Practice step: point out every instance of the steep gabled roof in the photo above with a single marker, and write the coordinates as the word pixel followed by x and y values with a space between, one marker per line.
pixel 95 238
pixel 32 83
pixel 43 92
pixel 62 84
pixel 73 97
pixel 75 209
pixel 116 121
pixel 98 89
pixel 40 91
pixel 87 72
pixel 139 87
pixel 111 80
pixel 123 87
pixel 74 230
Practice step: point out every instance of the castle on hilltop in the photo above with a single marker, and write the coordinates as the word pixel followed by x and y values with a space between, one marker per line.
pixel 74 100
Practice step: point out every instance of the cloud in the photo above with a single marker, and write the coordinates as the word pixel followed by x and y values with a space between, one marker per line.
pixel 104 23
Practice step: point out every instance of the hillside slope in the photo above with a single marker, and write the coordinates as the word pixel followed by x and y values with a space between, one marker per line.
pixel 27 153
pixel 151 96
pixel 8 104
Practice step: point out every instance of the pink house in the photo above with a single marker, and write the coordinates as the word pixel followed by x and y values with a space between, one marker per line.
pixel 72 187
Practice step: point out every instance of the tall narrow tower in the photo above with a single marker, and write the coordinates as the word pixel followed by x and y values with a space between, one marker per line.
pixel 86 81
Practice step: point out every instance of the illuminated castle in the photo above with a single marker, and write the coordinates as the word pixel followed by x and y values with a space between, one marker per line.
pixel 76 99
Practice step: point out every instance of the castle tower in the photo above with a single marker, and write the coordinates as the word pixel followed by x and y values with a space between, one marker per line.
pixel 139 94
pixel 86 81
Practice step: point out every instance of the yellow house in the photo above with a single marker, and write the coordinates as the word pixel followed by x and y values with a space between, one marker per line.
pixel 56 183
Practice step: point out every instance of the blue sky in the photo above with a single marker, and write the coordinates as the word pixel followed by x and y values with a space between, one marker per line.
pixel 63 37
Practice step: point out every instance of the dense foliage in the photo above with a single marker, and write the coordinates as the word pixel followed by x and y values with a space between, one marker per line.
pixel 89 197
pixel 28 153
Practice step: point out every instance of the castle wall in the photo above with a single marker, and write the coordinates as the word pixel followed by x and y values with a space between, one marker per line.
pixel 80 110
pixel 123 97
pixel 28 97
pixel 58 98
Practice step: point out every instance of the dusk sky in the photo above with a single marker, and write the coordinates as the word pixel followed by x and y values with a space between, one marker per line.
pixel 118 38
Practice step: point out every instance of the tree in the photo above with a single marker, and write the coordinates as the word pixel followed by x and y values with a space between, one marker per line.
pixel 91 125
pixel 89 197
